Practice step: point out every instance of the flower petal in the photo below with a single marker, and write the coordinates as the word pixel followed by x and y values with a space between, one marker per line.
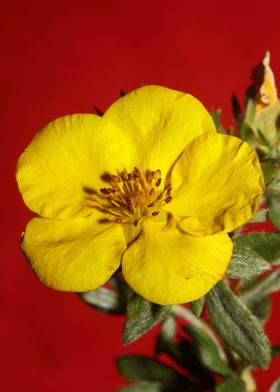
pixel 73 255
pixel 60 171
pixel 160 122
pixel 168 267
pixel 217 185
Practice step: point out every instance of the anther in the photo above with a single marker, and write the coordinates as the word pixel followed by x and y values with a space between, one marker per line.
pixel 116 179
pixel 136 173
pixel 150 205
pixel 155 213
pixel 149 177
pixel 157 174
pixel 105 191
pixel 158 182
pixel 168 199
pixel 124 176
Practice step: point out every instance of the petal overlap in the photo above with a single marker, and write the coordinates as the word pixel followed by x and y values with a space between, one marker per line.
pixel 61 170
pixel 160 122
pixel 77 254
pixel 217 185
pixel 168 267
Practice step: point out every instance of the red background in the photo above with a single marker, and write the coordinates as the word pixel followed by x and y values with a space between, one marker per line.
pixel 62 57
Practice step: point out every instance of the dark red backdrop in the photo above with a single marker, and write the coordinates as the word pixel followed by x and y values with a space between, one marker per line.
pixel 62 57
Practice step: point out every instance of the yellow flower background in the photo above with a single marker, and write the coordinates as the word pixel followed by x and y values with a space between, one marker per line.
pixel 150 187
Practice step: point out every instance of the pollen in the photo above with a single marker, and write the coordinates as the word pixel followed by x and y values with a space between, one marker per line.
pixel 133 196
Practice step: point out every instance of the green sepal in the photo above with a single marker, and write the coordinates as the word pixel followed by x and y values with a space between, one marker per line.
pixel 197 306
pixel 269 171
pixel 245 263
pixel 266 245
pixel 216 117
pixel 231 385
pixel 142 368
pixel 207 351
pixel 241 330
pixel 275 387
pixel 142 315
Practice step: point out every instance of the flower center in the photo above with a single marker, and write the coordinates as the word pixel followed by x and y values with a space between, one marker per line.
pixel 133 196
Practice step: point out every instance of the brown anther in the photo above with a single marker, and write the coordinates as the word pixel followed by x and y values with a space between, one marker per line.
pixel 116 179
pixel 135 223
pixel 168 199
pixel 167 186
pixel 129 177
pixel 105 191
pixel 119 220
pixel 152 192
pixel 155 213
pixel 124 176
pixel 157 174
pixel 149 177
pixel 136 173
pixel 150 205
pixel 158 182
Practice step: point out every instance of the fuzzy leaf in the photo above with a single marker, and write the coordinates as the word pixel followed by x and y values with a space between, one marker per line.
pixel 231 385
pixel 246 263
pixel 275 387
pixel 141 368
pixel 260 306
pixel 259 216
pixel 142 315
pixel 197 306
pixel 105 300
pixel 266 245
pixel 207 351
pixel 237 326
pixel 267 285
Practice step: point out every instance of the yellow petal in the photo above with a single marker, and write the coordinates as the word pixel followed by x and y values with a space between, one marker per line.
pixel 60 171
pixel 168 267
pixel 217 185
pixel 73 255
pixel 160 122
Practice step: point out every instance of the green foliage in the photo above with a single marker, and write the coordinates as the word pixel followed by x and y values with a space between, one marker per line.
pixel 274 211
pixel 207 351
pixel 275 350
pixel 237 326
pixel 245 263
pixel 266 245
pixel 267 285
pixel 216 116
pixel 231 385
pixel 142 315
pixel 197 306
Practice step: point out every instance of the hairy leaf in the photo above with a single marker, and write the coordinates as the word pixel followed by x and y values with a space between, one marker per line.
pixel 266 245
pixel 142 315
pixel 197 306
pixel 231 385
pixel 207 351
pixel 267 285
pixel 275 387
pixel 245 263
pixel 237 326
pixel 105 300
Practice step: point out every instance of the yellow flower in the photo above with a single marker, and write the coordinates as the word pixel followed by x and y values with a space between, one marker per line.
pixel 150 186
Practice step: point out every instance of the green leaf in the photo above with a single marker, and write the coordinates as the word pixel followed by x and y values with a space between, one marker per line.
pixel 207 351
pixel 267 285
pixel 260 306
pixel 269 172
pixel 275 387
pixel 105 300
pixel 167 334
pixel 266 245
pixel 142 315
pixel 260 216
pixel 197 306
pixel 245 263
pixel 275 350
pixel 141 368
pixel 237 326
pixel 147 386
pixel 274 211
pixel 231 385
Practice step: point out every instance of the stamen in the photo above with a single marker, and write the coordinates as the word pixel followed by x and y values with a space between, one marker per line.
pixel 133 196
